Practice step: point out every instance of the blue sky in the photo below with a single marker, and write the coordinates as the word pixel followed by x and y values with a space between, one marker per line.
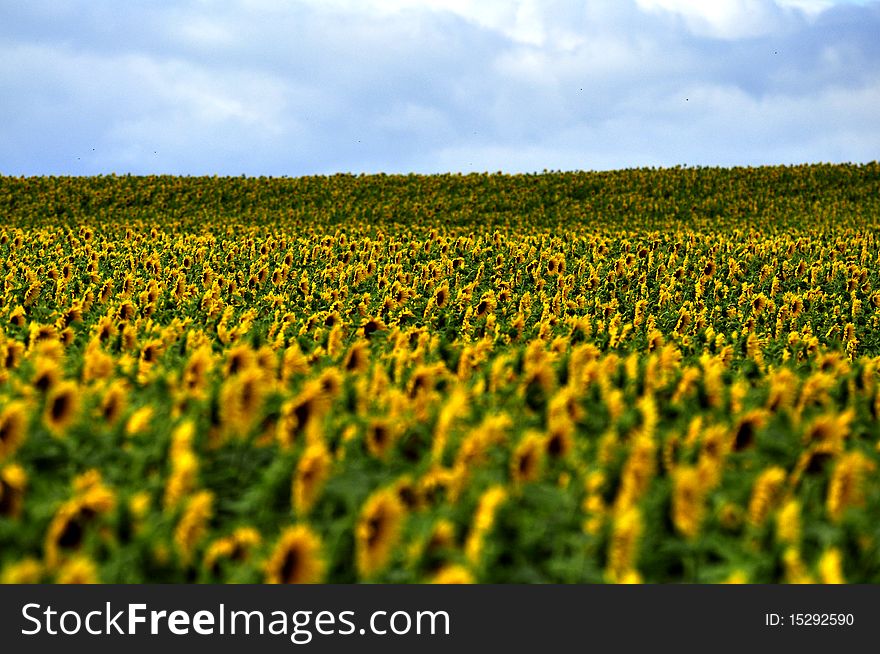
pixel 264 87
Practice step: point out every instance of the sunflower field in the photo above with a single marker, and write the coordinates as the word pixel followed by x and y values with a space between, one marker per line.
pixel 638 376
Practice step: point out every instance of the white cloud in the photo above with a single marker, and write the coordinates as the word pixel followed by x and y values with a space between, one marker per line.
pixel 723 127
pixel 730 19
pixel 519 19
pixel 202 31
pixel 321 86
pixel 811 7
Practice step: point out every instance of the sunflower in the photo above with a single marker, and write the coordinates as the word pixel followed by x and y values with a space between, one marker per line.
pixel 474 447
pixel 747 428
pixel 441 295
pixel 715 447
pixel 241 397
pixel 196 370
pixel 788 523
pixel 486 305
pixel 238 359
pixel 51 349
pixel 97 364
pixel 435 484
pixel 442 536
pixel 267 361
pixel 483 521
pixel 832 363
pixel 61 407
pixel 528 458
pixel 687 501
pixel 26 571
pixel 766 493
pixel 453 574
pixel 236 547
pixel 380 437
pixel 67 530
pixel 139 507
pixel 829 429
pixel 783 390
pixel 193 525
pixel 358 358
pixel 113 403
pixel 378 531
pixel 293 362
pixel 13 424
pixel 78 570
pixel 182 479
pixel 32 293
pixel 126 311
pixel 709 269
pixel 139 421
pixel 637 472
pixel 846 488
pixel 301 415
pixel 623 546
pixel 831 567
pixel 655 340
pixel 312 471
pixel 759 303
pixel 150 352
pixel 296 558
pixel 13 481
pixel 330 382
pixel 106 291
pixel 46 375
pixel 423 379
pixel 408 492
pixel 371 326
pixel 795 568
pixel 455 406
pixel 813 460
pixel 17 317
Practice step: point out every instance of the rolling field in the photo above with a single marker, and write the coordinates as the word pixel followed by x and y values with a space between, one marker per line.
pixel 636 376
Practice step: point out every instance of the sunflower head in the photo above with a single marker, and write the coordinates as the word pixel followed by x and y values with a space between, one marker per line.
pixel 13 480
pixel 139 421
pixel 301 415
pixel 113 403
pixel 236 547
pixel 62 404
pixel 378 531
pixel 453 574
pixel 441 296
pixel 746 430
pixel 358 358
pixel 26 571
pixel 296 558
pixel 709 268
pixel 70 525
pixel 380 437
pixel 312 471
pixel 371 326
pixel 528 458
pixel 13 425
pixel 238 359
pixel 46 375
pixel 195 372
pixel 193 524
pixel 330 381
pixel 483 521
pixel 78 570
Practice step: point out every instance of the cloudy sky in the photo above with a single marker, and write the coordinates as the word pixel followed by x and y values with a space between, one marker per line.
pixel 273 87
